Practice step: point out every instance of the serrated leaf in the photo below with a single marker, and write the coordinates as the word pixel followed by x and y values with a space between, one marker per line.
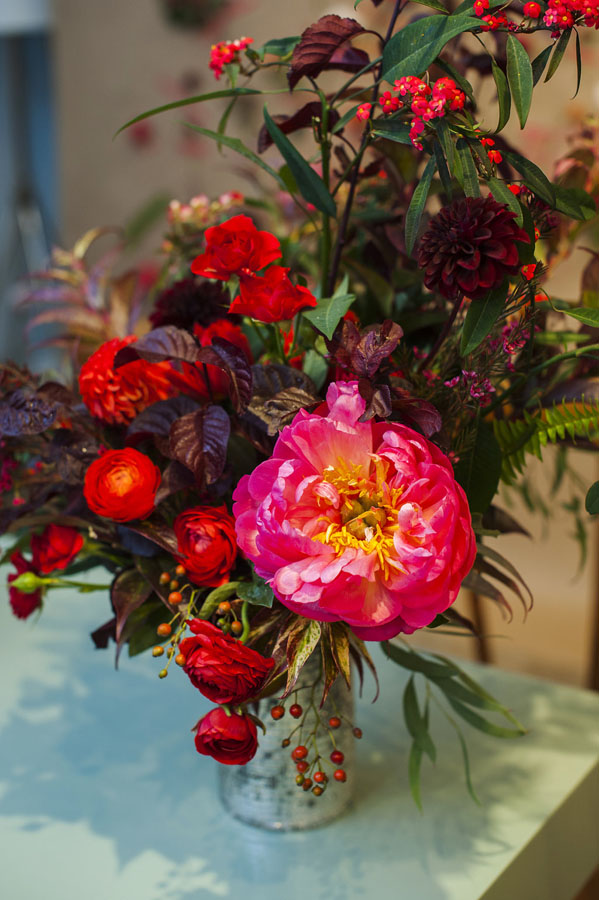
pixel 417 203
pixel 200 98
pixel 310 184
pixel 532 176
pixel 504 100
pixel 481 317
pixel 591 503
pixel 520 78
pixel 412 49
pixel 479 470
pixel 502 194
pixel 327 315
pixel 558 52
pixel 469 175
pixel 301 652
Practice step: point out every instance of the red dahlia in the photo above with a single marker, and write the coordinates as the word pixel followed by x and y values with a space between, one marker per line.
pixel 470 247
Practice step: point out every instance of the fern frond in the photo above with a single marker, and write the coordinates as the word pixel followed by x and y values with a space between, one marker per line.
pixel 533 432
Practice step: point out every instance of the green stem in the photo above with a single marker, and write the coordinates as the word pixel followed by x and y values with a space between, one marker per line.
pixel 325 152
pixel 245 622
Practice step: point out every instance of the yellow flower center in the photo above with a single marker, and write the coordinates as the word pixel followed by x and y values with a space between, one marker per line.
pixel 366 518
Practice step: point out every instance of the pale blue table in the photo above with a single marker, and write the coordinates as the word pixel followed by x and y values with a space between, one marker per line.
pixel 103 797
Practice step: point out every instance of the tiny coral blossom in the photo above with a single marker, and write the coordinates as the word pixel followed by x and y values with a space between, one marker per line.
pixel 22 604
pixel 223 669
pixel 230 739
pixel 206 542
pixel 118 395
pixel 121 485
pixel 235 246
pixel 271 297
pixel 355 521
pixel 55 548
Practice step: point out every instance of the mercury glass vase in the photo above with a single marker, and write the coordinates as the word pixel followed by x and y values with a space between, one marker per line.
pixel 264 792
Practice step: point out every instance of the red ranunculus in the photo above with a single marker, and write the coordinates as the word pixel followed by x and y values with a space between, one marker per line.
pixel 234 246
pixel 22 604
pixel 271 297
pixel 192 380
pixel 122 485
pixel 118 395
pixel 207 545
pixel 55 548
pixel 222 668
pixel 231 740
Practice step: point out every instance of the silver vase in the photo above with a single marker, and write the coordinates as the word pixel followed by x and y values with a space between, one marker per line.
pixel 264 792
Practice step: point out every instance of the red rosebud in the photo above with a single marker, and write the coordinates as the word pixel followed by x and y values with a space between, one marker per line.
pixel 192 379
pixel 231 740
pixel 207 544
pixel 55 548
pixel 22 604
pixel 118 395
pixel 220 667
pixel 234 246
pixel 122 485
pixel 271 297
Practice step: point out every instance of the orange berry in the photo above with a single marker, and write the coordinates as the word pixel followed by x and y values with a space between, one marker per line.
pixel 157 651
pixel 180 659
pixel 175 597
pixel 236 627
pixel 180 570
pixel 223 608
pixel 174 585
pixel 165 578
pixel 164 629
pixel 163 673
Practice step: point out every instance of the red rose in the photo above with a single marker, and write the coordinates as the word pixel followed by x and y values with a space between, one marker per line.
pixel 122 485
pixel 55 548
pixel 233 246
pixel 231 740
pixel 207 545
pixel 222 668
pixel 191 378
pixel 22 604
pixel 118 395
pixel 271 297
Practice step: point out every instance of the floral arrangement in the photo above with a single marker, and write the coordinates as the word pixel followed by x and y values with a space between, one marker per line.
pixel 289 443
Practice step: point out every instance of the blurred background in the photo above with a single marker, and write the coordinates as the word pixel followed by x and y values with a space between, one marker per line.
pixel 73 71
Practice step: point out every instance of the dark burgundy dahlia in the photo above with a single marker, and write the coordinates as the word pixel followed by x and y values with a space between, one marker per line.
pixel 469 247
pixel 189 301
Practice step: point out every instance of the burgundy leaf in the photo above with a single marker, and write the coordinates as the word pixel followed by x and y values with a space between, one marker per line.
pixel 279 392
pixel 318 45
pixel 378 400
pixel 300 119
pixel 158 531
pixel 128 591
pixel 233 361
pixel 158 418
pixel 102 635
pixel 199 441
pixel 377 343
pixel 416 413
pixel 160 344
pixel 348 59
pixel 24 412
pixel 176 477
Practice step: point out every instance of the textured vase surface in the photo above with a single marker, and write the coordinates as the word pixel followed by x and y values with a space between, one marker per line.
pixel 264 793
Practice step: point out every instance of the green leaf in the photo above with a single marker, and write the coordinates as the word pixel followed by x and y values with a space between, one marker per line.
pixel 504 99
pixel 279 46
pixel 414 763
pixel 345 118
pixel 519 76
pixel 467 6
pixel 415 722
pixel 239 147
pixel 412 49
pixel 502 194
pixel 302 652
pixel 211 601
pixel 479 469
pixel 417 203
pixel 328 313
pixel 310 184
pixel 316 367
pixel 442 169
pixel 574 202
pixel 482 724
pixel 200 98
pixel 258 593
pixel 414 662
pixel 468 169
pixel 591 503
pixel 433 4
pixel 578 64
pixel 465 756
pixel 558 53
pixel 397 130
pixel 481 318
pixel 445 139
pixel 532 176
pixel 539 63
pixel 586 316
pixel 462 83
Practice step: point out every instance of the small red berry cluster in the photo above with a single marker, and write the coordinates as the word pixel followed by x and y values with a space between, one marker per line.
pixel 310 766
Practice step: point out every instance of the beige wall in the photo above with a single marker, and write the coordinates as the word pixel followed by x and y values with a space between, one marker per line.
pixel 116 58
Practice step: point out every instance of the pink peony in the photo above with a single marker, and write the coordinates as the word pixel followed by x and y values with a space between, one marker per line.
pixel 359 522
